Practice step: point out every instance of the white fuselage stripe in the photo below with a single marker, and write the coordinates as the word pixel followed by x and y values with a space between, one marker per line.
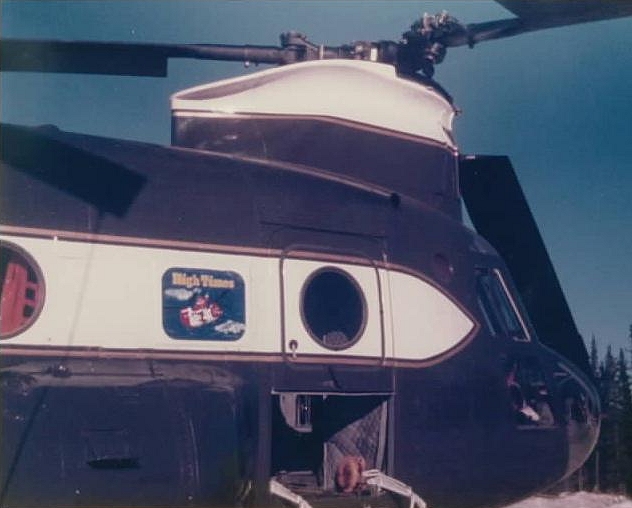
pixel 110 296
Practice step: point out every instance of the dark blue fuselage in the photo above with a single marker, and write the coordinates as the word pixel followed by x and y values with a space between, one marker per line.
pixel 494 419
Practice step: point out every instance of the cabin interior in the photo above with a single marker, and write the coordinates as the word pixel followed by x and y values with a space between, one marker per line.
pixel 314 433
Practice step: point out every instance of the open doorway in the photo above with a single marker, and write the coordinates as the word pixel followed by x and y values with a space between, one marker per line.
pixel 314 435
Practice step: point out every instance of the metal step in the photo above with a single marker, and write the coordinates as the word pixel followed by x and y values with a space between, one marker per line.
pixel 377 493
pixel 280 490
pixel 384 482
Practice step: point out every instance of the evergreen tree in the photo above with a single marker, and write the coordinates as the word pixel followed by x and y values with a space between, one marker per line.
pixel 588 474
pixel 609 468
pixel 608 477
pixel 624 423
pixel 594 356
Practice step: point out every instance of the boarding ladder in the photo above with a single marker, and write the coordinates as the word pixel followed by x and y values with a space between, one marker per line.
pixel 373 477
pixel 382 481
pixel 280 490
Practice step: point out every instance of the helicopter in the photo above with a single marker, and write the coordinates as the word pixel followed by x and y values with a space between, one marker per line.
pixel 310 322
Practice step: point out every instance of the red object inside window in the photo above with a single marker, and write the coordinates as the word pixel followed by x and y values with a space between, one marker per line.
pixel 21 292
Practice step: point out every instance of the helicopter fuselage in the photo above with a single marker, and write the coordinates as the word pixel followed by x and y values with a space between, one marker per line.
pixel 284 289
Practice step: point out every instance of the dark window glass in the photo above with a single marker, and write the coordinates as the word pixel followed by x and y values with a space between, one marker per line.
pixel 580 405
pixel 333 308
pixel 497 307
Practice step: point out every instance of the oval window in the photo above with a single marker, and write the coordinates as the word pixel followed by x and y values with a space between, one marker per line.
pixel 333 308
pixel 22 290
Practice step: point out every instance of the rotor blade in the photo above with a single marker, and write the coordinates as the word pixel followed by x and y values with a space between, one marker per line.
pixel 500 213
pixel 550 13
pixel 538 15
pixel 108 186
pixel 127 59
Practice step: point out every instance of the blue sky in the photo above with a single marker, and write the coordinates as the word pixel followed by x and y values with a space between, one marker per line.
pixel 558 102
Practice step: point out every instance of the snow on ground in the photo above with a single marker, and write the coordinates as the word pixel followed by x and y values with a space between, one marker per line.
pixel 575 500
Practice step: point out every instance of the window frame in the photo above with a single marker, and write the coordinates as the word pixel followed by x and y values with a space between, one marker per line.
pixel 498 314
pixel 39 298
pixel 363 304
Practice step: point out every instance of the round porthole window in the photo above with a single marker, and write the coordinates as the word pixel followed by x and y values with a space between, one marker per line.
pixel 333 308
pixel 22 290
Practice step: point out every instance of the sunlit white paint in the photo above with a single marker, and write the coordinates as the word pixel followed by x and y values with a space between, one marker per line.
pixel 357 91
pixel 425 322
pixel 110 296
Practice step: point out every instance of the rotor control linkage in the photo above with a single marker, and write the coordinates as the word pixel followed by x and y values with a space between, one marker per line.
pixel 426 42
pixel 297 48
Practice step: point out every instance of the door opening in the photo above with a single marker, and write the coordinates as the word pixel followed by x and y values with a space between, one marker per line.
pixel 323 442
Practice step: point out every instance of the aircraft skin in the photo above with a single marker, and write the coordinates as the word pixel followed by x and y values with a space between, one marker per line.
pixel 130 389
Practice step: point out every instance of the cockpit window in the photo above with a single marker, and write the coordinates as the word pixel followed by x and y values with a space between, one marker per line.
pixel 497 306
pixel 528 392
pixel 581 404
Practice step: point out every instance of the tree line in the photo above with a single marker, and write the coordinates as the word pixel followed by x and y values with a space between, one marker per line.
pixel 609 468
